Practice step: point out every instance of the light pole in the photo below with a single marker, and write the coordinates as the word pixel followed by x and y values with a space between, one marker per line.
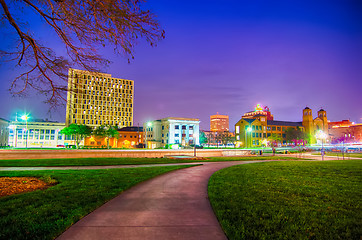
pixel 343 149
pixel 25 118
pixel 148 125
pixel 321 135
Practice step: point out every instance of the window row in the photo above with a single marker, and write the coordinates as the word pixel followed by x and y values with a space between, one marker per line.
pixel 87 106
pixel 87 79
pixel 184 127
pixel 103 122
pixel 100 108
pixel 115 89
pixel 103 117
pixel 99 95
pixel 105 102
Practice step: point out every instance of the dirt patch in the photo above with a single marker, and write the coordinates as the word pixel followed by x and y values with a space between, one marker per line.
pixel 14 185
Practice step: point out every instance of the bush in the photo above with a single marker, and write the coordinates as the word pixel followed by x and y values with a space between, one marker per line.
pixel 49 180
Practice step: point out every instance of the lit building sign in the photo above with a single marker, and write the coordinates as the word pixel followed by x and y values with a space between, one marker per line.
pixel 258 108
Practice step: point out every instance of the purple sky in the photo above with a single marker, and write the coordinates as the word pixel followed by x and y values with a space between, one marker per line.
pixel 227 56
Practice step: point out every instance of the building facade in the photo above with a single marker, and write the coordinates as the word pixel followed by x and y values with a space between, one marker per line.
pixel 39 133
pixel 312 126
pixel 128 137
pixel 4 132
pixel 219 123
pixel 171 131
pixel 345 131
pixel 98 99
pixel 254 128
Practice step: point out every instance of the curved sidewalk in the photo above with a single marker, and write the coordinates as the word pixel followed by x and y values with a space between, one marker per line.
pixel 171 206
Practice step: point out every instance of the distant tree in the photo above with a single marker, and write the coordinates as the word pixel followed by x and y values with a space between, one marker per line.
pixel 296 136
pixel 226 137
pixel 82 26
pixel 203 138
pixel 218 136
pixel 274 139
pixel 210 138
pixel 106 131
pixel 79 132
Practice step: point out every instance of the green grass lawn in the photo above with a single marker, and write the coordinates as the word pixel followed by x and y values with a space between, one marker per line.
pixel 45 214
pixel 289 200
pixel 122 161
pixel 352 155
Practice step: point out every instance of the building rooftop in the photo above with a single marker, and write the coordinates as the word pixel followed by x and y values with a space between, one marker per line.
pixel 285 123
pixel 131 129
pixel 185 119
pixel 249 120
pixel 4 120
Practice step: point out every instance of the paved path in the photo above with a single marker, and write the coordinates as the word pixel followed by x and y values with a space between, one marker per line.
pixel 171 206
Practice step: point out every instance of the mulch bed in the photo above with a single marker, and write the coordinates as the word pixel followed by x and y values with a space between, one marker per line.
pixel 14 185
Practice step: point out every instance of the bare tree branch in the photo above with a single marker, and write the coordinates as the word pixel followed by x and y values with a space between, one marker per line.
pixel 82 26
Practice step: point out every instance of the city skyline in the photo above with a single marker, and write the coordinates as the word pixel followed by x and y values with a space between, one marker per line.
pixel 227 58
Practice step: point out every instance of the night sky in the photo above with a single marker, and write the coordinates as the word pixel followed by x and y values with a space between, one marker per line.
pixel 228 56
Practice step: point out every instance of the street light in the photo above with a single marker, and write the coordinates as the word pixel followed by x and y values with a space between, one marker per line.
pixel 248 130
pixel 149 124
pixel 25 118
pixel 321 135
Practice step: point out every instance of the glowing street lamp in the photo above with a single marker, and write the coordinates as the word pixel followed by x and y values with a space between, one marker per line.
pixel 25 118
pixel 321 135
pixel 149 124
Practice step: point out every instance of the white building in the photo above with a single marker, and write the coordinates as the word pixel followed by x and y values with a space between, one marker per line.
pixel 37 134
pixel 171 131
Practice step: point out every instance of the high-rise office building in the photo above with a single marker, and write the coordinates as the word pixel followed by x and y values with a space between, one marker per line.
pixel 219 123
pixel 98 98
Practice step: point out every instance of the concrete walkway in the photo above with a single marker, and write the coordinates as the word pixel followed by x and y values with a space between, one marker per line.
pixel 171 206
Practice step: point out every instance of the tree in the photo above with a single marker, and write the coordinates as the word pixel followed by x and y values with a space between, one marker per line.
pixel 78 132
pixel 203 138
pixel 225 137
pixel 82 26
pixel 210 138
pixel 297 136
pixel 218 137
pixel 106 131
pixel 274 140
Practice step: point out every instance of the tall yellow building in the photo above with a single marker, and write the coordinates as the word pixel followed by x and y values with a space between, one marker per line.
pixel 98 98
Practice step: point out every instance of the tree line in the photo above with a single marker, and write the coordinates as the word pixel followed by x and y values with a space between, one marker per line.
pixel 79 132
